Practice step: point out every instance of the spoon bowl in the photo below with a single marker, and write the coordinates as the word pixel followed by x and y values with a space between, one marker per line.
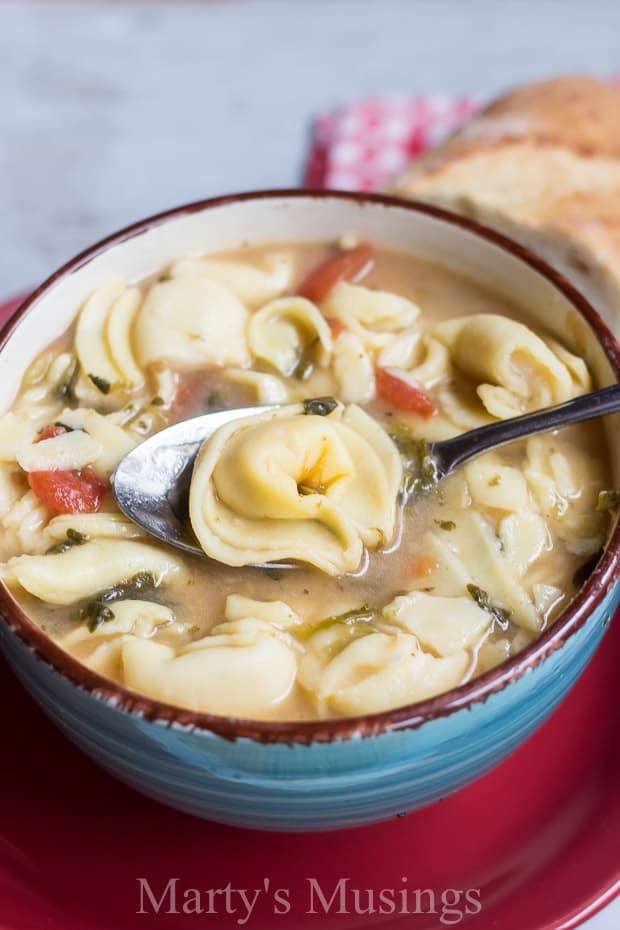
pixel 152 482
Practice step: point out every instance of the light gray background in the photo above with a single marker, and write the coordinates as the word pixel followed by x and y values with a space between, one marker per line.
pixel 111 112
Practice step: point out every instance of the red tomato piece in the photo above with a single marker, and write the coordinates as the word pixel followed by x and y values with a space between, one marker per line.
pixel 337 326
pixel 423 566
pixel 347 265
pixel 69 491
pixel 404 396
pixel 50 432
pixel 190 397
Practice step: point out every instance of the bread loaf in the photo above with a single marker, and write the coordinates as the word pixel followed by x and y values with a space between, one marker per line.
pixel 541 164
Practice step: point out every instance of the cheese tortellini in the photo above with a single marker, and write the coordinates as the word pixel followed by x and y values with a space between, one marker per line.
pixel 83 570
pixel 289 332
pixel 340 580
pixel 251 284
pixel 244 667
pixel 192 321
pixel 419 647
pixel 375 316
pixel 288 485
pixel 103 336
pixel 514 369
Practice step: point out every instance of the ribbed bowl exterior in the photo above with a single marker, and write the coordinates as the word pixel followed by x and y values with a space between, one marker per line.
pixel 323 786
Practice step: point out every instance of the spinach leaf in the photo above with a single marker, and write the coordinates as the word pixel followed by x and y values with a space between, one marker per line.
pixel 483 600
pixel 320 406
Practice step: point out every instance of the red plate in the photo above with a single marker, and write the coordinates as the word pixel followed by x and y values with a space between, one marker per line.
pixel 539 838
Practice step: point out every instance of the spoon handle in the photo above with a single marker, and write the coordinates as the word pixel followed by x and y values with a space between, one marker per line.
pixel 452 452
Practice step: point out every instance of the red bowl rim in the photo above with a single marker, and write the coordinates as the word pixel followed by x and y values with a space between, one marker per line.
pixel 307 732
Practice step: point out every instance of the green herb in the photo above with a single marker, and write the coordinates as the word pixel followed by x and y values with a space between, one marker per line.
pixel 157 401
pixel 445 524
pixel 609 500
pixel 73 539
pixel 215 401
pixel 356 622
pixel 305 489
pixel 482 600
pixel 305 366
pixel 100 383
pixel 95 613
pixel 320 406
pixel 192 630
pixel 421 473
pixel 138 584
pixel 164 277
pixel 495 480
pixel 303 369
pixel 64 390
pixel 350 616
pixel 584 571
pixel 142 424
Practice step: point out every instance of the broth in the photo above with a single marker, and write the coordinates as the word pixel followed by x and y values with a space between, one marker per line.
pixel 433 527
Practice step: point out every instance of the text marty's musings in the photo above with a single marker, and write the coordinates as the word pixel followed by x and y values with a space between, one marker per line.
pixel 315 898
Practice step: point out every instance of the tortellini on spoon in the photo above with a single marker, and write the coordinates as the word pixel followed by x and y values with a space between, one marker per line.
pixel 291 485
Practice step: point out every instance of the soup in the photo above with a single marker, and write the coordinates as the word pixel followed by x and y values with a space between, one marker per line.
pixel 394 587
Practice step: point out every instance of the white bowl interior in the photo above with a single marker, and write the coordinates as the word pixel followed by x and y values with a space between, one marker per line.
pixel 310 218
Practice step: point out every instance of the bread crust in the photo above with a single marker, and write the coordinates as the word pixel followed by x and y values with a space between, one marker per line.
pixel 542 163
pixel 578 113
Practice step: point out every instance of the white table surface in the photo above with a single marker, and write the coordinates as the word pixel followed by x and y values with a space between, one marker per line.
pixel 109 112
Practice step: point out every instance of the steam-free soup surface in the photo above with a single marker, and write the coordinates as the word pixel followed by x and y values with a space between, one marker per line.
pixel 471 571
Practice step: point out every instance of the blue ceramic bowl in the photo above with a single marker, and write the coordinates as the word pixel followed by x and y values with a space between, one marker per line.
pixel 326 774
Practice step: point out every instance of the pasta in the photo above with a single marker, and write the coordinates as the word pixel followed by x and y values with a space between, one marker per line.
pixel 339 578
pixel 289 485
pixel 251 284
pixel 375 316
pixel 353 369
pixel 192 321
pixel 516 371
pixel 82 571
pixel 244 666
pixel 374 671
pixel 288 332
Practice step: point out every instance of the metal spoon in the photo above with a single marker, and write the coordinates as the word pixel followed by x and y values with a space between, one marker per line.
pixel 151 483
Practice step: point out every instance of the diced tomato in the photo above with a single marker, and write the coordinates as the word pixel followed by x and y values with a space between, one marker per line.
pixel 423 566
pixel 404 396
pixel 191 396
pixel 347 265
pixel 69 491
pixel 337 326
pixel 50 432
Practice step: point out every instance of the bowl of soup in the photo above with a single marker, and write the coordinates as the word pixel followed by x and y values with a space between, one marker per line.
pixel 358 640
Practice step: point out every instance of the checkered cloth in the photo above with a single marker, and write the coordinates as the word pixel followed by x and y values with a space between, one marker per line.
pixel 363 145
